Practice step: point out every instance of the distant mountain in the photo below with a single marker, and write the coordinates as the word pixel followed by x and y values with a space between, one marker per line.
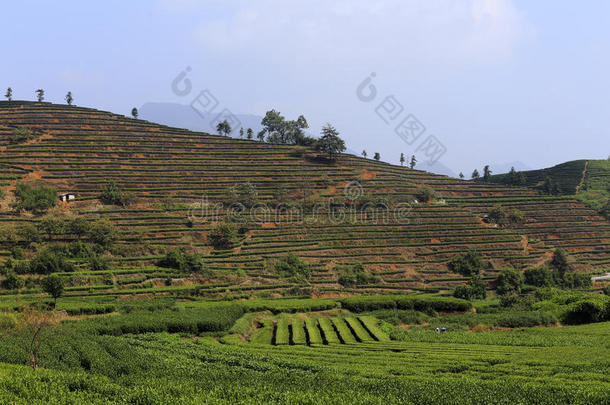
pixel 187 117
pixel 499 168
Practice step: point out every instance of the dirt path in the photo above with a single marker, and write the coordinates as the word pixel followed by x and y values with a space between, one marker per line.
pixel 582 180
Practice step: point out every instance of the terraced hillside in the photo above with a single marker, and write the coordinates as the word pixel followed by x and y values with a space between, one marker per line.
pixel 586 180
pixel 177 177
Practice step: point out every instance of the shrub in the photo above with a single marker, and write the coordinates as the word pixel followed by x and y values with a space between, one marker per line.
pixel 539 277
pixel 177 259
pixel 103 233
pixel 52 225
pixel 34 199
pixel 577 281
pixel 425 194
pixel 113 194
pixel 424 303
pixel 594 308
pixel 474 289
pixel 509 281
pixel 353 275
pixel 79 227
pixel 20 135
pixel 28 234
pixel 497 215
pixel 98 263
pixel 467 265
pixel 49 261
pixel 560 261
pixel 17 253
pixel 292 266
pixel 12 281
pixel 222 235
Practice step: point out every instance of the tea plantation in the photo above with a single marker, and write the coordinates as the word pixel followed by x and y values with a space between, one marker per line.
pixel 143 264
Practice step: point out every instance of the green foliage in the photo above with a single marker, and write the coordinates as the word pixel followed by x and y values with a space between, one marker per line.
pixel 354 274
pixel 28 235
pixel 179 260
pixel 113 194
pixel 98 263
pixel 501 217
pixel 330 142
pixel 12 281
pixel 49 261
pixel 560 261
pixel 103 233
pixel 475 289
pixel 281 131
pixel 425 194
pixel 21 135
pixel 224 128
pixel 222 235
pixel 34 199
pixel 424 303
pixel 539 277
pixel 468 265
pixel 515 178
pixel 291 266
pixel 245 194
pixel 53 285
pixel 509 281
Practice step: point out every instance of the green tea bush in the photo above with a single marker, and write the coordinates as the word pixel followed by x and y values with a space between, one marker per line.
pixel 422 303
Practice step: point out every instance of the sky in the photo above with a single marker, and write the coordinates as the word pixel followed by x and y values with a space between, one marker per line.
pixel 488 81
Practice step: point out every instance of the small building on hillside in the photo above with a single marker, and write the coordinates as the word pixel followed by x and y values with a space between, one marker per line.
pixel 66 197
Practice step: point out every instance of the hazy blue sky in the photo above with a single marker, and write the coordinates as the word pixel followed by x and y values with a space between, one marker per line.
pixel 494 81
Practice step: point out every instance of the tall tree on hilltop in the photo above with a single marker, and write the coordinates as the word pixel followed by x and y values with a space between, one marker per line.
pixel 40 95
pixel 9 94
pixel 134 113
pixel 330 142
pixel 486 173
pixel 413 162
pixel 69 98
pixel 402 159
pixel 224 128
pixel 249 133
pixel 475 175
pixel 241 132
pixel 376 156
pixel 364 154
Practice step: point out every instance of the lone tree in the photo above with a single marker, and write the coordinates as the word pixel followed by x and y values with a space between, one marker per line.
pixel 413 162
pixel 241 132
pixel 249 133
pixel 32 325
pixel 475 175
pixel 486 173
pixel 224 128
pixel 9 94
pixel 134 113
pixel 69 98
pixel 222 235
pixel 330 142
pixel 54 286
pixel 402 159
pixel 364 154
pixel 40 95
pixel 376 156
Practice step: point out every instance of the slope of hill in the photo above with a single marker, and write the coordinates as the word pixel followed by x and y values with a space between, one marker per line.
pixel 587 180
pixel 177 176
